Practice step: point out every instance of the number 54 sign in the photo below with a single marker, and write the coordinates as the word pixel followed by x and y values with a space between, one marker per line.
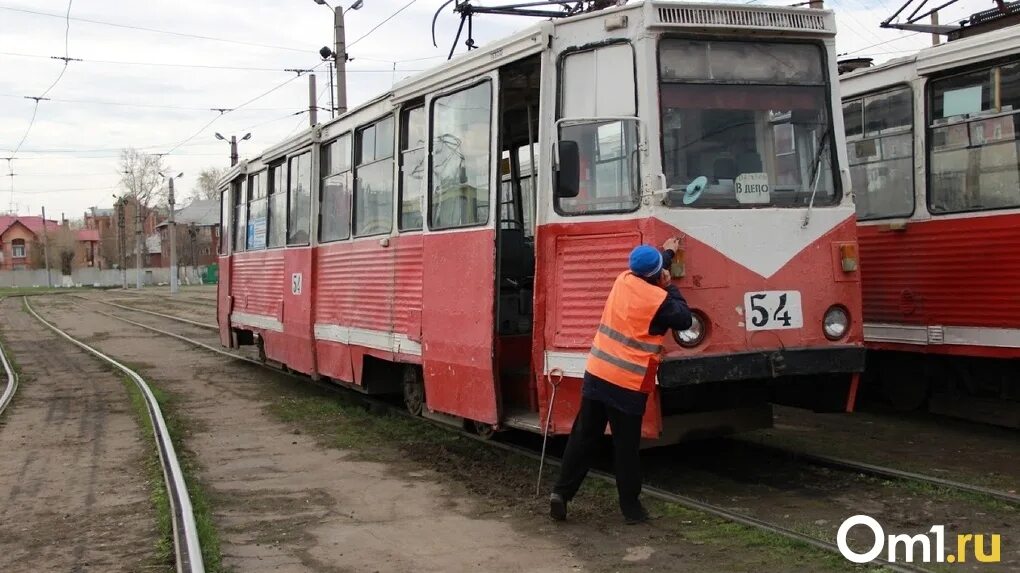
pixel 773 310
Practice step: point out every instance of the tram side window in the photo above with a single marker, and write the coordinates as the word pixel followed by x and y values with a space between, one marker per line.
pixel 974 147
pixel 459 196
pixel 335 194
pixel 412 168
pixel 257 207
pixel 373 179
pixel 299 191
pixel 277 205
pixel 240 211
pixel 607 149
pixel 879 131
pixel 225 221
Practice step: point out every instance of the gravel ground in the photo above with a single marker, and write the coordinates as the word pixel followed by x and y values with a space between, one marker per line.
pixel 72 476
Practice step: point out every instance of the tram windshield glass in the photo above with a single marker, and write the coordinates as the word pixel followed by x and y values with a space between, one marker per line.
pixel 745 124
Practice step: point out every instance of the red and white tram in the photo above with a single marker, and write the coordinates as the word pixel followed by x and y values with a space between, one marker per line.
pixel 456 238
pixel 934 146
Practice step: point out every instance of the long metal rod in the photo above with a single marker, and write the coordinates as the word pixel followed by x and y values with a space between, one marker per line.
pixel 12 379
pixel 651 491
pixel 186 543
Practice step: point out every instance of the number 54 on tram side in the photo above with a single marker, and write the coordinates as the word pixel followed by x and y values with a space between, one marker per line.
pixel 455 239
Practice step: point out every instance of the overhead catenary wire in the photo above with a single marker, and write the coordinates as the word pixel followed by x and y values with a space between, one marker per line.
pixel 379 25
pixel 159 31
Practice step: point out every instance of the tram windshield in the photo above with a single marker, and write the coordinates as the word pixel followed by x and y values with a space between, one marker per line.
pixel 745 124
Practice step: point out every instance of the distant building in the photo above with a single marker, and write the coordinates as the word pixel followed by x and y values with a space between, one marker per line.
pixel 198 233
pixel 19 235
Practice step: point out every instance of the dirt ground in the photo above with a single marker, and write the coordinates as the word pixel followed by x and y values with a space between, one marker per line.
pixel 72 476
pixel 288 495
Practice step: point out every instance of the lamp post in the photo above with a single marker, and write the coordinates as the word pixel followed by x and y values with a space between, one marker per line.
pixel 233 145
pixel 339 51
pixel 173 234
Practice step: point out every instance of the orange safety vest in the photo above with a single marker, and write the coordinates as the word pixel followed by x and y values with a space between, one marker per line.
pixel 623 350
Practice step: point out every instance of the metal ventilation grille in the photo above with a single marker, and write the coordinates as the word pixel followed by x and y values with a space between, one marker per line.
pixel 757 18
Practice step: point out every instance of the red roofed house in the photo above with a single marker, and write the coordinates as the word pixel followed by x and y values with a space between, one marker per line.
pixel 87 250
pixel 18 236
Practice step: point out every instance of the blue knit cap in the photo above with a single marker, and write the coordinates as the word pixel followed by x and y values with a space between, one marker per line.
pixel 645 261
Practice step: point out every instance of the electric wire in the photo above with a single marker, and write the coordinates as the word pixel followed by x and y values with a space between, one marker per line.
pixel 377 26
pixel 158 31
pixel 859 50
pixel 204 66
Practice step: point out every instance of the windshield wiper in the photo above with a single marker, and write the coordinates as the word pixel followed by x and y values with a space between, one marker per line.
pixel 816 173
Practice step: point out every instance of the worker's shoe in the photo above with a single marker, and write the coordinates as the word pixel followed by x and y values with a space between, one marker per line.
pixel 636 514
pixel 557 507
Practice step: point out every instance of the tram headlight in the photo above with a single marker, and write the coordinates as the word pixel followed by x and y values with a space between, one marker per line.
pixel 836 322
pixel 694 335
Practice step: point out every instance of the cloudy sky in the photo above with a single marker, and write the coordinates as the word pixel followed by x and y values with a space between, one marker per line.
pixel 141 81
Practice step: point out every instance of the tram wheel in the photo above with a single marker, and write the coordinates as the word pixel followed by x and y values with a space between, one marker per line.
pixel 485 431
pixel 414 391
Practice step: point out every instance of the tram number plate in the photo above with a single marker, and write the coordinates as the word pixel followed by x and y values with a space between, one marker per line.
pixel 773 310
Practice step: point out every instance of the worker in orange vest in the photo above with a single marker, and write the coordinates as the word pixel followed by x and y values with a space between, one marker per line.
pixel 620 373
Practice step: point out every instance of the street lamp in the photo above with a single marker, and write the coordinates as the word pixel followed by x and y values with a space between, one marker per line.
pixel 173 233
pixel 233 145
pixel 339 51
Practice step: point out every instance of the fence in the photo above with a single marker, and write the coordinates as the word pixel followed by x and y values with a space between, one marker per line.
pixel 100 278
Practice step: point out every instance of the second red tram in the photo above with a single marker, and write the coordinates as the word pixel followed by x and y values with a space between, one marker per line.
pixel 455 239
pixel 934 147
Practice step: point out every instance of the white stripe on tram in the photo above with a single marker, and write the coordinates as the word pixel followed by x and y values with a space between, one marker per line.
pixel 378 339
pixel 923 335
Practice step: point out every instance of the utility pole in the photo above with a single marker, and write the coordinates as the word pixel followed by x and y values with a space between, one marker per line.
pixel 139 244
pixel 173 238
pixel 313 117
pixel 121 241
pixel 935 38
pixel 332 100
pixel 339 51
pixel 46 249
pixel 340 55
pixel 233 145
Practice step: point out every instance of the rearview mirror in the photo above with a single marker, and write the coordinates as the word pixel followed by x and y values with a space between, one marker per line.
pixel 568 172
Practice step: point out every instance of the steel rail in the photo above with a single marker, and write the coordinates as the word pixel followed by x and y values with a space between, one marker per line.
pixel 153 313
pixel 12 379
pixel 817 459
pixel 204 302
pixel 186 543
pixel 651 491
pixel 886 472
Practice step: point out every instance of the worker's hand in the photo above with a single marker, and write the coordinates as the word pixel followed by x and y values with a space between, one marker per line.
pixel 664 278
pixel 672 244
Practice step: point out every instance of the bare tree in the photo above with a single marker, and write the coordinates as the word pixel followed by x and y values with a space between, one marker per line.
pixel 63 247
pixel 206 188
pixel 140 176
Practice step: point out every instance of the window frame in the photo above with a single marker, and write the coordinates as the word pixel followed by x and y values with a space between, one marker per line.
pixel 400 151
pixel 311 182
pixel 837 181
pixel 261 173
pixel 226 228
pixel 430 114
pixel 355 167
pixel 928 121
pixel 277 163
pixel 560 62
pixel 322 187
pixel 23 244
pixel 864 135
pixel 241 180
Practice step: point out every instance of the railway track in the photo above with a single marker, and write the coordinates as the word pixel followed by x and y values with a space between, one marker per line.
pixel 649 490
pixel 11 384
pixel 203 301
pixel 187 548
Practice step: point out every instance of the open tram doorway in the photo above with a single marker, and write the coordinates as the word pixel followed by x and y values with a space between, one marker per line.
pixel 515 235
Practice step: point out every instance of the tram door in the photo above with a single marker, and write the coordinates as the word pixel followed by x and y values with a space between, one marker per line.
pixel 459 251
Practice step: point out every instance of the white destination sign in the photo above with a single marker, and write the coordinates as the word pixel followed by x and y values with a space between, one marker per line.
pixel 752 188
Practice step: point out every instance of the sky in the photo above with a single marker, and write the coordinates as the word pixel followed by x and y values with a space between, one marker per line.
pixel 138 86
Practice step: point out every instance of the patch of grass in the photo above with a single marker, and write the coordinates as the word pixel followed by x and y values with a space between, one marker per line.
pixel 940 493
pixel 207 535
